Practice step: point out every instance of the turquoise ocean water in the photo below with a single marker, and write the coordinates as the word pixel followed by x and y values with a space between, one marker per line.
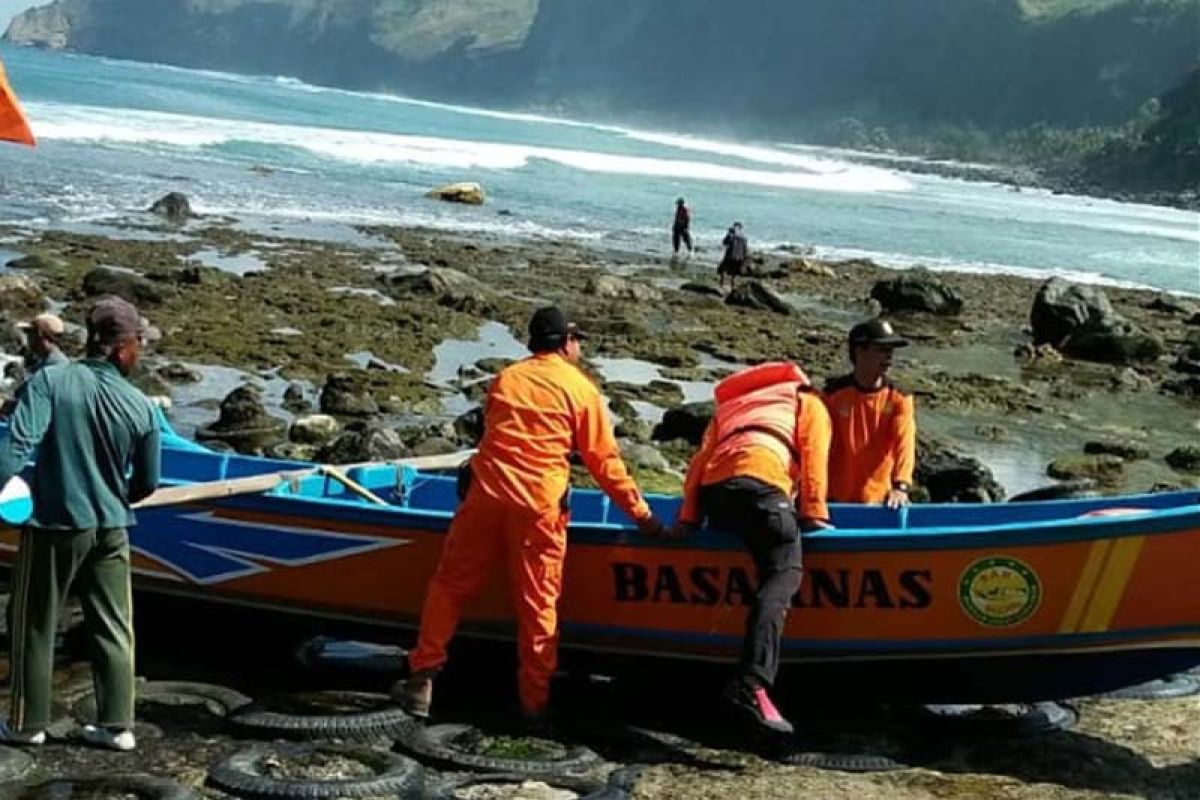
pixel 115 135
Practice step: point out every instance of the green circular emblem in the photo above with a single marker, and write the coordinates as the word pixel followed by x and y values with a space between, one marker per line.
pixel 999 591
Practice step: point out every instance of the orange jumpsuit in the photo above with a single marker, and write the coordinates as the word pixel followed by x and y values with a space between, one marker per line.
pixel 874 441
pixel 13 127
pixel 538 411
pixel 758 454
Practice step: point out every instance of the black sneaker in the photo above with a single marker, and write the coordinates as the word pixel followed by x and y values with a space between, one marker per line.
pixel 752 701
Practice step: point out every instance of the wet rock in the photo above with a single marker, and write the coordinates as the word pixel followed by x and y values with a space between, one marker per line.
pixel 293 451
pixel 295 398
pixel 244 423
pixel 950 477
pixel 1078 488
pixel 477 391
pixel 1185 458
pixel 469 427
pixel 14 373
pixel 190 275
pixel 611 287
pixel 992 433
pixel 1040 354
pixel 149 382
pixel 433 281
pixel 809 266
pixel 917 291
pixel 435 446
pixel 1129 451
pixel 1107 469
pixel 20 296
pixel 344 396
pixel 468 373
pixel 469 193
pixel 1188 361
pixel 1169 304
pixel 314 429
pixel 180 373
pixel 1061 308
pixel 687 422
pixel 660 393
pixel 37 261
pixel 1194 319
pixel 1130 380
pixel 492 366
pixel 634 428
pixel 174 207
pixel 1183 387
pixel 753 294
pixel 1113 340
pixel 363 442
pixel 642 455
pixel 134 288
pixel 704 289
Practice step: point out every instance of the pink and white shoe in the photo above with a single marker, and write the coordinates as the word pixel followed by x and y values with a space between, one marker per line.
pixel 754 702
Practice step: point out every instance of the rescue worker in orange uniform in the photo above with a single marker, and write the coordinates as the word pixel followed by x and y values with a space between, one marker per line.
pixel 874 423
pixel 761 473
pixel 515 510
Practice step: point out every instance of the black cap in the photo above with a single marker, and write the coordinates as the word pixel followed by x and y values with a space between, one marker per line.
pixel 113 319
pixel 549 328
pixel 876 331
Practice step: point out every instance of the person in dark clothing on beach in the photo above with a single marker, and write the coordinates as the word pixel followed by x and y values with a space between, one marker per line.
pixel 736 250
pixel 681 231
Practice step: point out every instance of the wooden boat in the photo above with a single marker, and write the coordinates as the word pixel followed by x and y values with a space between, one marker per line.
pixel 939 603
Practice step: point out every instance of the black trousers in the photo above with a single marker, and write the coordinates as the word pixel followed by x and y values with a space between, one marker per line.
pixel 765 518
pixel 681 235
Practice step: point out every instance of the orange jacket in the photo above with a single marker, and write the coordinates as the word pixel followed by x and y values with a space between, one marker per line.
pixel 874 441
pixel 538 411
pixel 13 127
pixel 762 426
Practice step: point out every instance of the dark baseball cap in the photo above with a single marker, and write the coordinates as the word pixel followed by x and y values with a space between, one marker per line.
pixel 876 331
pixel 113 319
pixel 550 326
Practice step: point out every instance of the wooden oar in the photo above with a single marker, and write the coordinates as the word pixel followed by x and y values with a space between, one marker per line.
pixel 254 484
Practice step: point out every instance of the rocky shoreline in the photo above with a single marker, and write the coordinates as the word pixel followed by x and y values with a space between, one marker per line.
pixel 391 335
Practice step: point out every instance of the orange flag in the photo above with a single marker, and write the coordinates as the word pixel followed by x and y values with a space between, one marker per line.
pixel 13 127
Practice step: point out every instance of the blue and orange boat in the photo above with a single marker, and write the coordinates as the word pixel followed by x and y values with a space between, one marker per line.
pixel 937 603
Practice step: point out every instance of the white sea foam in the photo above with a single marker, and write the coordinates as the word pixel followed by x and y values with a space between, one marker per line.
pixel 128 126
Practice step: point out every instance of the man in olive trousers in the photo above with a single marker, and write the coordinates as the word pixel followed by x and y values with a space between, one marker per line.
pixel 97 441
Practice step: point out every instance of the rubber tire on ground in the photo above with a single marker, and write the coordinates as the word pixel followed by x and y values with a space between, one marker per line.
pixel 433 742
pixel 224 699
pixel 241 774
pixel 844 762
pixel 962 721
pixel 144 787
pixel 1168 688
pixel 385 722
pixel 586 789
pixel 14 764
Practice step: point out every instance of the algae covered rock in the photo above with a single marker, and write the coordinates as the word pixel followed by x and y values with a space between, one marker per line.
pixel 1129 451
pixel 919 291
pixel 687 422
pixel 20 296
pixel 244 423
pixel 1185 458
pixel 950 477
pixel 611 287
pixel 466 192
pixel 344 395
pixel 469 426
pixel 314 429
pixel 1105 468
pixel 36 261
pixel 1061 308
pixel 1113 340
pixel 133 287
pixel 753 294
pixel 644 456
pixel 173 206
pixel 363 442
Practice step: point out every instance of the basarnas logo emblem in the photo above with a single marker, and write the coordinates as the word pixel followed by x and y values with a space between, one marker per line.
pixel 999 591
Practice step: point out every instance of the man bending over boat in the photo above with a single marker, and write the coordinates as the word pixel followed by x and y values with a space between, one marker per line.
pixel 92 429
pixel 874 424
pixel 760 473
pixel 515 510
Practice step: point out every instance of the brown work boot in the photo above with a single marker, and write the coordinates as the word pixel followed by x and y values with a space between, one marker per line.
pixel 415 695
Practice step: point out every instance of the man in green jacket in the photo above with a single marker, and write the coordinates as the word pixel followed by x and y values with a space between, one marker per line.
pixel 91 429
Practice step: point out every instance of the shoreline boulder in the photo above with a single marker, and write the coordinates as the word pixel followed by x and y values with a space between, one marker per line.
pixel 174 207
pixel 244 423
pixel 687 422
pixel 466 192
pixel 753 294
pixel 918 291
pixel 1081 323
pixel 344 396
